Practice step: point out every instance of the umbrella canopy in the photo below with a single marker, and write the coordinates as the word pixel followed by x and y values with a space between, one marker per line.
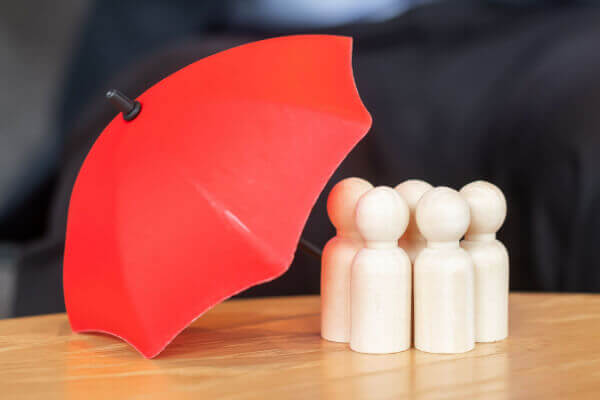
pixel 206 191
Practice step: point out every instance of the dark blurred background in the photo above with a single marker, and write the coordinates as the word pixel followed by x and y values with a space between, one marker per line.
pixel 505 91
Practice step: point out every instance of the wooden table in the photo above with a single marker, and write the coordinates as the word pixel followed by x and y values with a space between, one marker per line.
pixel 271 349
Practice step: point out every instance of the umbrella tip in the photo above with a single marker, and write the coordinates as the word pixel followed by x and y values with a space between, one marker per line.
pixel 129 108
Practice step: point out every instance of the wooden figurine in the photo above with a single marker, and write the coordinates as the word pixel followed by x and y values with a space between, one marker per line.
pixel 443 276
pixel 488 211
pixel 380 283
pixel 337 259
pixel 412 241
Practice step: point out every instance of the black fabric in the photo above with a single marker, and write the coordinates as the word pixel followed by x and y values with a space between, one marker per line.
pixel 458 92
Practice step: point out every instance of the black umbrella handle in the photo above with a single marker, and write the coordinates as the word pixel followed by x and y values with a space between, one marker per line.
pixel 308 248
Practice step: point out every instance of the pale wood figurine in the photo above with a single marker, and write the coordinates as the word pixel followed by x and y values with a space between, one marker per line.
pixel 443 276
pixel 488 211
pixel 337 259
pixel 380 284
pixel 412 241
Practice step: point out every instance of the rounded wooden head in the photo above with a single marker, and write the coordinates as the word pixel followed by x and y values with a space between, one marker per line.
pixel 442 215
pixel 381 215
pixel 342 200
pixel 411 191
pixel 487 205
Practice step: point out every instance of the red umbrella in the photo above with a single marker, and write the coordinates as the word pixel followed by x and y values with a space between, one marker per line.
pixel 202 188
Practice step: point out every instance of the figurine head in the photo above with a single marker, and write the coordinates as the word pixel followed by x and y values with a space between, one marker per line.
pixel 411 191
pixel 342 200
pixel 381 215
pixel 442 215
pixel 487 205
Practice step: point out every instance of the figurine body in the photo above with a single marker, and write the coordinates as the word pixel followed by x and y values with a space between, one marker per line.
pixel 488 211
pixel 443 276
pixel 337 259
pixel 412 241
pixel 380 288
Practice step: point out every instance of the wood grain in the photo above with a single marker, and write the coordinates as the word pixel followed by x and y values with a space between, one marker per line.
pixel 271 349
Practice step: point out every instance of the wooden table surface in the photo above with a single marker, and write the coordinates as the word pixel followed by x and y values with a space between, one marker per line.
pixel 271 349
